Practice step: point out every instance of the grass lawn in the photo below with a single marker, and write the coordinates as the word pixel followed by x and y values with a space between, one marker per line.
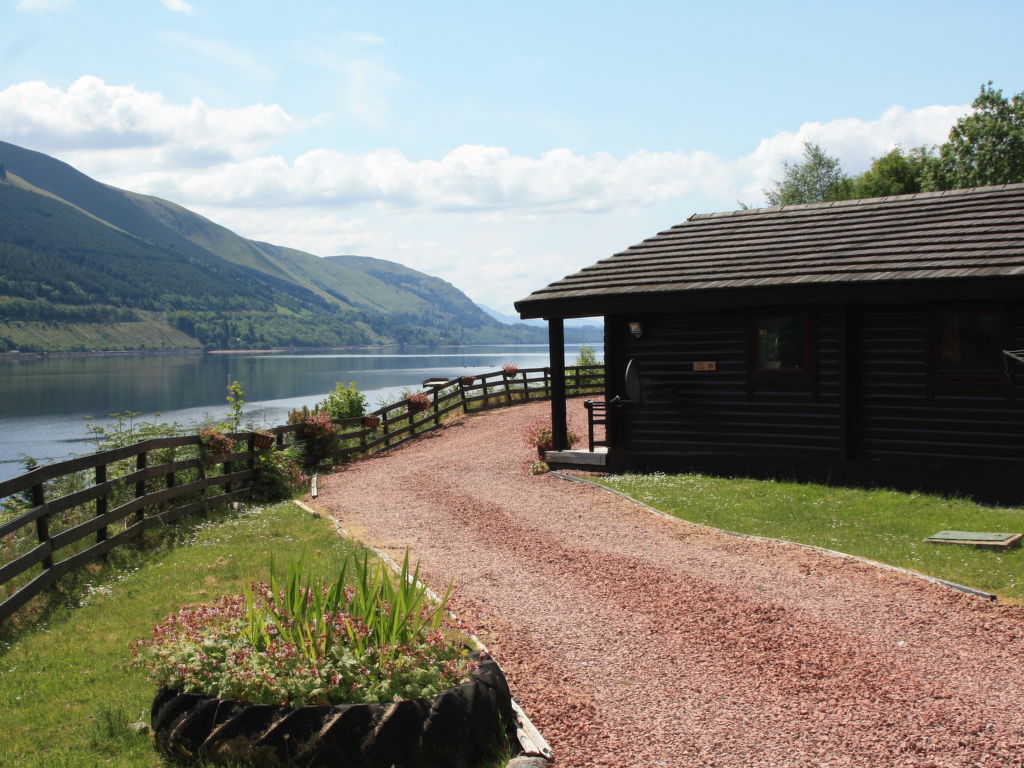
pixel 67 694
pixel 878 524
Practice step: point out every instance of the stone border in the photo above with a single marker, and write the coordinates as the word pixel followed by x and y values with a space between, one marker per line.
pixel 831 552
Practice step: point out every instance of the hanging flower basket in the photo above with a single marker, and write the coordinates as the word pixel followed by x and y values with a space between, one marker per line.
pixel 467 381
pixel 510 369
pixel 263 440
pixel 463 727
pixel 371 422
pixel 215 444
pixel 418 403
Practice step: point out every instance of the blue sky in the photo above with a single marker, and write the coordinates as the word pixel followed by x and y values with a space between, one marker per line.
pixel 497 146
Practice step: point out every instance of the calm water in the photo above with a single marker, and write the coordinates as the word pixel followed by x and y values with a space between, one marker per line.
pixel 44 404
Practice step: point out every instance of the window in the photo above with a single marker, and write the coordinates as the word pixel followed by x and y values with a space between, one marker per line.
pixel 781 343
pixel 970 341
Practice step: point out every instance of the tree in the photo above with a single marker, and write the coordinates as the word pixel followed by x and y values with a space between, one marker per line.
pixel 985 147
pixel 895 173
pixel 817 178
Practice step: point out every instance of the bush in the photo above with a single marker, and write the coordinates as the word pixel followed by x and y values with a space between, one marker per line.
pixel 279 475
pixel 214 442
pixel 322 440
pixel 344 402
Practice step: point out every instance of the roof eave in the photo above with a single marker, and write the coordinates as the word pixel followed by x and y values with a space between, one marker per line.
pixel 866 292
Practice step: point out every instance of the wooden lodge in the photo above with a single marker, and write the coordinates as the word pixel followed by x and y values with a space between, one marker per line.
pixel 867 342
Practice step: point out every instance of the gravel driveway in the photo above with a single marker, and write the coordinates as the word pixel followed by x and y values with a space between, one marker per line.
pixel 631 640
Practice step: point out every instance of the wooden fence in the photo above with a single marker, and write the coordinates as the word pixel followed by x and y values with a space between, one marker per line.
pixel 112 497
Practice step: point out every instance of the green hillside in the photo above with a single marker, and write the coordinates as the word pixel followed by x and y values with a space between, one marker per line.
pixel 75 252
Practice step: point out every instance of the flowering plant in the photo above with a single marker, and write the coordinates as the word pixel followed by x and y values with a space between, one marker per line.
pixel 319 424
pixel 467 381
pixel 418 402
pixel 279 474
pixel 214 442
pixel 539 435
pixel 304 641
pixel 510 369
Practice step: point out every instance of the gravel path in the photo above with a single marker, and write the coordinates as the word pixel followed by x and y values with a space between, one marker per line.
pixel 631 640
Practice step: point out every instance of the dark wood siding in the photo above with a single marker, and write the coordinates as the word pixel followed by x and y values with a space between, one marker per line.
pixel 729 410
pixel 909 411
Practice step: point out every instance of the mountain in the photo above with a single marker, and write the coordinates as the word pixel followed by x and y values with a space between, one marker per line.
pixel 84 265
pixel 593 324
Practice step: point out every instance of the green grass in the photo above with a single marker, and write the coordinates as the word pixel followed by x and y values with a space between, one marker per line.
pixel 882 525
pixel 67 694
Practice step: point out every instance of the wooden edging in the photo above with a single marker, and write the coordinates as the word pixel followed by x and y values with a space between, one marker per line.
pixel 831 552
pixel 532 743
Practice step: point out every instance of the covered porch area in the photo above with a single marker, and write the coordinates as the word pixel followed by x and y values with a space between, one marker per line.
pixel 590 450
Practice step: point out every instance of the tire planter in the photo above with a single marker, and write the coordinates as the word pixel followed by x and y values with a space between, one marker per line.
pixel 464 727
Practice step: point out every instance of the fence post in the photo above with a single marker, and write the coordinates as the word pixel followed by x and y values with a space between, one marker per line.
pixel 42 522
pixel 412 419
pixel 140 486
pixel 547 383
pixel 508 389
pixel 226 470
pixel 462 395
pixel 437 416
pixel 101 504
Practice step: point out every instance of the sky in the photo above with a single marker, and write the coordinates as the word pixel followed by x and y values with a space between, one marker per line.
pixel 498 146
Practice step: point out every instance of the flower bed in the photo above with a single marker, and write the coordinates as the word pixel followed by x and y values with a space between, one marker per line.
pixel 328 660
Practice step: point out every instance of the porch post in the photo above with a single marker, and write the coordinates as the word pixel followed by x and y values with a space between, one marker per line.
pixel 556 349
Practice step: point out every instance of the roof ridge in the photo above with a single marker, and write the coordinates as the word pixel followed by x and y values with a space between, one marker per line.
pixel 855 202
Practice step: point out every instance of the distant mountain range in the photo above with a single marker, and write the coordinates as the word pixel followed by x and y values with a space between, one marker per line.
pixel 592 324
pixel 86 266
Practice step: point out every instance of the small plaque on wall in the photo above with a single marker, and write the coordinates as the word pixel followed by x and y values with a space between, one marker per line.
pixel 705 365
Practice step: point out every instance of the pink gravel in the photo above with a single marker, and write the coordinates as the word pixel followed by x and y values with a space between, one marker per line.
pixel 631 640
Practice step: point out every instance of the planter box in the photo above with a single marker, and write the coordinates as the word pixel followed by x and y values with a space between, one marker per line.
pixel 464 727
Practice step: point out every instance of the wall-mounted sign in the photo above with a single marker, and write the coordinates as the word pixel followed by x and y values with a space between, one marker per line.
pixel 705 365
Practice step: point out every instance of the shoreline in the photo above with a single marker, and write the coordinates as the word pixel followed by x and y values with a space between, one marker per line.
pixel 13 357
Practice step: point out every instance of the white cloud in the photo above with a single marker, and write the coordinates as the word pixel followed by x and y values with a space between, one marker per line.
pixel 117 127
pixel 365 38
pixel 365 84
pixel 200 155
pixel 492 180
pixel 220 52
pixel 852 140
pixel 43 5
pixel 178 6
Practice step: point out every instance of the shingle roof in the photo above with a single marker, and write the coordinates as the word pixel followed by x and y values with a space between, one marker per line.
pixel 967 233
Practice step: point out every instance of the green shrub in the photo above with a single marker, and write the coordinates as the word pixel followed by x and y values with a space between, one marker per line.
pixel 344 402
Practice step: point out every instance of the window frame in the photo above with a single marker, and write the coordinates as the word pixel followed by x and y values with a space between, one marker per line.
pixel 940 315
pixel 810 330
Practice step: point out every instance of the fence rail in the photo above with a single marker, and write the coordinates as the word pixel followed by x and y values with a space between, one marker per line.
pixel 128 490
